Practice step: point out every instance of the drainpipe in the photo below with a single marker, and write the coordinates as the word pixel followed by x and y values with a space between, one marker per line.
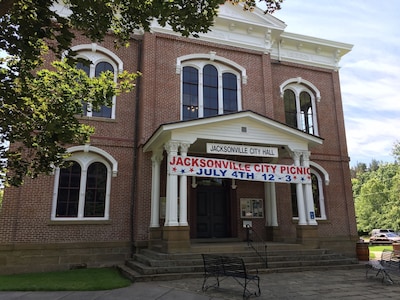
pixel 135 152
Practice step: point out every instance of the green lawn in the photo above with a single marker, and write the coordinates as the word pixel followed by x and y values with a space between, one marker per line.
pixel 72 280
pixel 380 247
pixel 376 248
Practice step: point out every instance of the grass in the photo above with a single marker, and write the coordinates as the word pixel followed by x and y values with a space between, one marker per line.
pixel 378 248
pixel 72 280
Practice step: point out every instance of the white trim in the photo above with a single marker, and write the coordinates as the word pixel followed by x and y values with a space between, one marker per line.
pixel 297 86
pixel 87 148
pixel 86 155
pixel 96 54
pixel 211 56
pixel 223 65
pixel 97 48
pixel 301 81
pixel 322 170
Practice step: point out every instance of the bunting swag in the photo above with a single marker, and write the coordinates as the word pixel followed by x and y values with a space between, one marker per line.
pixel 222 168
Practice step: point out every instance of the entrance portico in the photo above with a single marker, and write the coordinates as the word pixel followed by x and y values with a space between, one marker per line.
pixel 189 139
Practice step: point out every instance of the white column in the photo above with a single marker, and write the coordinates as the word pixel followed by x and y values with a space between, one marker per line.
pixel 271 215
pixel 171 208
pixel 299 193
pixel 155 188
pixel 274 213
pixel 183 190
pixel 267 205
pixel 308 196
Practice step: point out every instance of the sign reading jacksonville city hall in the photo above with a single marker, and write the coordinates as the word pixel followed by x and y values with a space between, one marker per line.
pixel 223 168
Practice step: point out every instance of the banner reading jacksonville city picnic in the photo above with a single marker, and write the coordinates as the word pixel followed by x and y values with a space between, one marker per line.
pixel 222 168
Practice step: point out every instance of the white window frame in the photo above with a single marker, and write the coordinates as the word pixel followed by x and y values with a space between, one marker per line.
pixel 223 65
pixel 97 54
pixel 297 86
pixel 323 179
pixel 85 156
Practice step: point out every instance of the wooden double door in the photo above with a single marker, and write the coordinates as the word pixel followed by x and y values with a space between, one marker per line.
pixel 213 217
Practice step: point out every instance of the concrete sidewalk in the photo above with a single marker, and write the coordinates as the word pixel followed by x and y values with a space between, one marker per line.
pixel 326 284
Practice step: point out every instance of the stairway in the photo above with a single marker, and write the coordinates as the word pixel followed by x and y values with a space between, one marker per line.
pixel 149 265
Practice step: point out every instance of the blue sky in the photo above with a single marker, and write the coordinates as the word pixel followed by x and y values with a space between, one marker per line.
pixel 369 74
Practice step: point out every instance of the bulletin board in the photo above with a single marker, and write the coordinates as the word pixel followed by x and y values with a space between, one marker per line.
pixel 251 208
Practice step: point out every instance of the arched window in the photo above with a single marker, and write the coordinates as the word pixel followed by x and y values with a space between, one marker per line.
pixel 290 108
pixel 210 91
pixel 82 189
pixel 306 113
pixel 101 60
pixel 209 88
pixel 95 196
pixel 190 94
pixel 230 95
pixel 318 196
pixel 104 111
pixel 299 103
pixel 68 191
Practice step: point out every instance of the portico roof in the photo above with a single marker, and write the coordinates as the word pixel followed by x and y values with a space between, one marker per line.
pixel 245 127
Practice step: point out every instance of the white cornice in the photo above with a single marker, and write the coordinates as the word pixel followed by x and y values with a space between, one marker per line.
pixel 265 33
pixel 262 32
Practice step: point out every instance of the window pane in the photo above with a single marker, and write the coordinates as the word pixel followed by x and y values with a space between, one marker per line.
pixel 210 91
pixel 103 67
pixel 104 111
pixel 81 66
pixel 290 108
pixel 315 192
pixel 190 93
pixel 68 191
pixel 229 83
pixel 95 196
pixel 293 196
pixel 86 69
pixel 306 113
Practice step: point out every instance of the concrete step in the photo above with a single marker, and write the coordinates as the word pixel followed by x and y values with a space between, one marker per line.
pixel 153 265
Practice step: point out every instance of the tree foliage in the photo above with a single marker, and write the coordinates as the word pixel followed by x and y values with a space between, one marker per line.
pixel 376 194
pixel 396 151
pixel 38 109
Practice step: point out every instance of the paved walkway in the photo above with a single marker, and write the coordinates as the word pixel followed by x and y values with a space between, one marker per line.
pixel 328 284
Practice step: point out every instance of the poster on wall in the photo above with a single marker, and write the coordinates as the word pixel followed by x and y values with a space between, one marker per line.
pixel 251 208
pixel 223 168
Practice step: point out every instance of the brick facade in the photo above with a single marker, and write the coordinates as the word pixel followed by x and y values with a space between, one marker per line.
pixel 26 228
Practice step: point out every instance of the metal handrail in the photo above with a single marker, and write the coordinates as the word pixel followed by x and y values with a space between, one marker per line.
pixel 250 235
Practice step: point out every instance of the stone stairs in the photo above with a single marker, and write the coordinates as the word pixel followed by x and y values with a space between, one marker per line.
pixel 149 265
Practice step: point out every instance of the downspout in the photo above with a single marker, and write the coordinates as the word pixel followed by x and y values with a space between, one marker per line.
pixel 135 152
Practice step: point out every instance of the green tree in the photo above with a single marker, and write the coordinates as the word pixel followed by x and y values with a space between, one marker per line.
pixel 28 99
pixel 396 151
pixel 376 198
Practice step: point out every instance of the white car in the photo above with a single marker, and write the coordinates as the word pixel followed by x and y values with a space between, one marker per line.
pixel 384 238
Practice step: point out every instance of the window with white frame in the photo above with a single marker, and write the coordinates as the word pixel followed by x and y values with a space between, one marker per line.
pixel 299 98
pixel 101 60
pixel 210 88
pixel 82 189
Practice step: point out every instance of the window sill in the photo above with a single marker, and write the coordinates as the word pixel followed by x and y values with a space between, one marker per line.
pixel 79 222
pixel 100 119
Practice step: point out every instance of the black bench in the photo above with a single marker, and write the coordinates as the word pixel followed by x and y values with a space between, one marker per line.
pixel 220 267
pixel 388 265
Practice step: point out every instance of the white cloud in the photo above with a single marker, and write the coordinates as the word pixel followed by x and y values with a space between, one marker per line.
pixel 369 74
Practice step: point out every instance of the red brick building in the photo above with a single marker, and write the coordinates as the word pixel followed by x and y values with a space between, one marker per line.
pixel 241 126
